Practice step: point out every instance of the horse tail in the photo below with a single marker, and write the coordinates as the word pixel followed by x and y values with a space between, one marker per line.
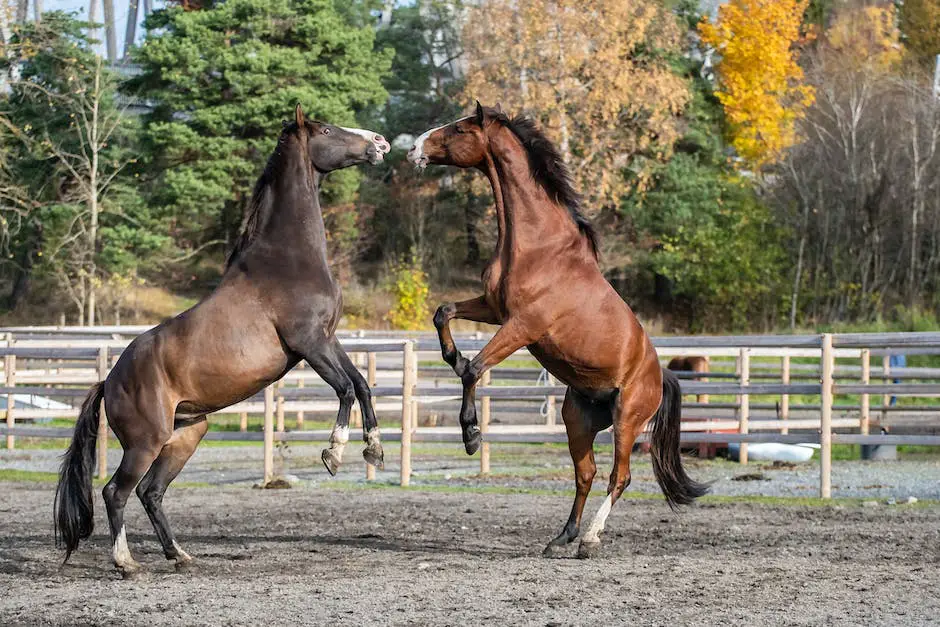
pixel 678 487
pixel 74 504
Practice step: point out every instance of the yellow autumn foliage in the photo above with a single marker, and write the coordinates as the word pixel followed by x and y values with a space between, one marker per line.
pixel 594 72
pixel 759 79
pixel 868 35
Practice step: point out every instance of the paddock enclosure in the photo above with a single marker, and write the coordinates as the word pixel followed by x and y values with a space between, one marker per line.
pixel 412 557
pixel 817 389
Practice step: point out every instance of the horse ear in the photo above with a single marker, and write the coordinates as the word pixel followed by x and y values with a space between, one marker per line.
pixel 498 108
pixel 479 113
pixel 299 116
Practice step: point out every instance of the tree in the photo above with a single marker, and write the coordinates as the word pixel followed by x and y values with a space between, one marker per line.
pixel 919 21
pixel 73 146
pixel 758 74
pixel 595 73
pixel 222 78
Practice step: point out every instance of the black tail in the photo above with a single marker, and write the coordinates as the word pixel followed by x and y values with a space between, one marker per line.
pixel 664 448
pixel 74 504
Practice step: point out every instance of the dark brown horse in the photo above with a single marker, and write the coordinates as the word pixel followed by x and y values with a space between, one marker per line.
pixel 277 304
pixel 545 288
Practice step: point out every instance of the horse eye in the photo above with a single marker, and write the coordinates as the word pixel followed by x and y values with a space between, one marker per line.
pixel 458 129
pixel 326 131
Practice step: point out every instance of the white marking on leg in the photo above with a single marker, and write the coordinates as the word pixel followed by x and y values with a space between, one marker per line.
pixel 338 440
pixel 597 524
pixel 181 555
pixel 372 438
pixel 120 553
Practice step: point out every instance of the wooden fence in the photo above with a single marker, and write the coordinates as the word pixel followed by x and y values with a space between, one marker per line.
pixel 62 363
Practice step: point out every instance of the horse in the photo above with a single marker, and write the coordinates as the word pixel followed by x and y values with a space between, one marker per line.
pixel 277 303
pixel 691 363
pixel 545 288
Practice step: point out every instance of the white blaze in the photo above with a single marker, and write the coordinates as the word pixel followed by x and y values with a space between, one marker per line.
pixel 416 154
pixel 382 146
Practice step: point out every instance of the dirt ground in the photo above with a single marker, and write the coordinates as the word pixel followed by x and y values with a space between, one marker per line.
pixel 355 556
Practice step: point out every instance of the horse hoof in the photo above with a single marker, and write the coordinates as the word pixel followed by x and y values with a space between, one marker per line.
pixel 375 456
pixel 587 550
pixel 330 461
pixel 131 572
pixel 471 440
pixel 555 551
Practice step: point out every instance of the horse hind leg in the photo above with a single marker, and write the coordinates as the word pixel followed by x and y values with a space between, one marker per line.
pixel 163 471
pixel 137 459
pixel 581 434
pixel 632 411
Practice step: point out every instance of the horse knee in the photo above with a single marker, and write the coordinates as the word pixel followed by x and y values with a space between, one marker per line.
pixel 443 315
pixel 584 478
pixel 347 393
pixel 149 492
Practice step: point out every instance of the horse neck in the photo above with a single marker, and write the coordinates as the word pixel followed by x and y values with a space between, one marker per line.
pixel 295 224
pixel 528 219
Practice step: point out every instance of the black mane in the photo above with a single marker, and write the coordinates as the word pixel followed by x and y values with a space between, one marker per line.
pixel 549 169
pixel 259 206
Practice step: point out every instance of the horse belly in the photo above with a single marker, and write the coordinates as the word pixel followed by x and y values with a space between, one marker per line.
pixel 589 379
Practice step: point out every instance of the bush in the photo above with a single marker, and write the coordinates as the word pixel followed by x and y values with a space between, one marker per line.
pixel 409 288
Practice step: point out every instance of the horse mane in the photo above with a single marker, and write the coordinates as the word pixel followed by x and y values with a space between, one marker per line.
pixel 549 170
pixel 259 206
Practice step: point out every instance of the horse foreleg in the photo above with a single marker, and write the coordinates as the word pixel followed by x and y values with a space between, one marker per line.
pixel 164 470
pixel 511 337
pixel 476 310
pixel 373 453
pixel 326 362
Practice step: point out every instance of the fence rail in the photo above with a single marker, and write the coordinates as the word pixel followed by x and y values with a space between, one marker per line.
pixel 41 362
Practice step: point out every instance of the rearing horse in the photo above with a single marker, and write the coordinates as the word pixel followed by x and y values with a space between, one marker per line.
pixel 277 304
pixel 545 288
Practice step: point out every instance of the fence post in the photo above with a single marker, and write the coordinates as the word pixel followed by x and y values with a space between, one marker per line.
pixel 300 385
pixel 268 434
pixel 243 422
pixel 485 426
pixel 102 418
pixel 408 381
pixel 370 379
pixel 9 367
pixel 825 435
pixel 744 360
pixel 355 414
pixel 865 415
pixel 785 398
pixel 886 399
pixel 280 406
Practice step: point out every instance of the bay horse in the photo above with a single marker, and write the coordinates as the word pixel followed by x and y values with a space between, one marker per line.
pixel 691 363
pixel 277 303
pixel 545 288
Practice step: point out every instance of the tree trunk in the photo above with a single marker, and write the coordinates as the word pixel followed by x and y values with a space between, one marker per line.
pixel 130 32
pixel 109 34
pixel 93 195
pixel 473 245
